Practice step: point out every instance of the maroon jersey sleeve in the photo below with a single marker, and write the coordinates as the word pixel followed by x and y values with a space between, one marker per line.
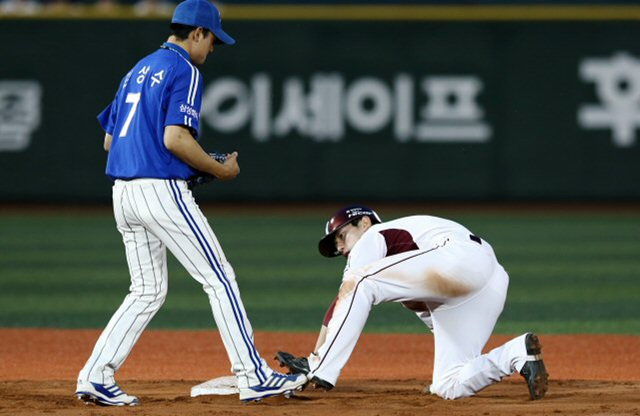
pixel 398 241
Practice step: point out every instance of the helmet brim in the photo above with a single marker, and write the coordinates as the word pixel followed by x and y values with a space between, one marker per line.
pixel 327 245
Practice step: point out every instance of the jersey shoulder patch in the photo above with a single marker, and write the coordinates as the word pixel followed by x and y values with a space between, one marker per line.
pixel 398 241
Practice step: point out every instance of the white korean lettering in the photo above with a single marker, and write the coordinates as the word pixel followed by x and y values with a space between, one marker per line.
pixel 617 82
pixel 451 113
pixel 142 74
pixel 261 92
pixel 403 105
pixel 293 115
pixel 326 122
pixel 157 78
pixel 446 108
pixel 226 104
pixel 368 104
pixel 20 113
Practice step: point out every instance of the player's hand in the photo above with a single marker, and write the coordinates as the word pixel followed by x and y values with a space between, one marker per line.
pixel 232 169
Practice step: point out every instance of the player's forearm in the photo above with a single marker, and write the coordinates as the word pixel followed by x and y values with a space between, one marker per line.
pixel 322 337
pixel 181 143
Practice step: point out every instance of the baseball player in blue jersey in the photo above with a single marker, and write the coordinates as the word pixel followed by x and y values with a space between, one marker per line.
pixel 151 135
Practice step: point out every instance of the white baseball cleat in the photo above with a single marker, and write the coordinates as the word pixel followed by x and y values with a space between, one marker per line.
pixel 104 395
pixel 274 385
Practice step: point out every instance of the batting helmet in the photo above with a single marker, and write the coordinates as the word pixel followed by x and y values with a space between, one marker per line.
pixel 342 217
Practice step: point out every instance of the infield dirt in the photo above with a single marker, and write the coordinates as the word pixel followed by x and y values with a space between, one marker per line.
pixel 590 374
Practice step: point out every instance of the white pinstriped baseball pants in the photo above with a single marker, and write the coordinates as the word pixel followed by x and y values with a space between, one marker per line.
pixel 153 215
pixel 462 276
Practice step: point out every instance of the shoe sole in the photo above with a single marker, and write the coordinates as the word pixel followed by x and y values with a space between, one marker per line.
pixel 321 384
pixel 89 398
pixel 540 383
pixel 286 393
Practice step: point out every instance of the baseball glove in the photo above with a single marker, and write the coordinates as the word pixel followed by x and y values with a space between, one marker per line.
pixel 295 365
pixel 200 178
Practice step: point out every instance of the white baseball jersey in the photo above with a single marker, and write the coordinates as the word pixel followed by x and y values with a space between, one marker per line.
pixel 398 236
pixel 454 273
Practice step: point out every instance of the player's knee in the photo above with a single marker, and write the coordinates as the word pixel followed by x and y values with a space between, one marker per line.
pixel 451 390
pixel 154 297
pixel 161 296
pixel 447 394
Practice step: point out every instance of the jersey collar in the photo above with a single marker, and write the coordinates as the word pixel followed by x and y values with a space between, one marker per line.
pixel 177 49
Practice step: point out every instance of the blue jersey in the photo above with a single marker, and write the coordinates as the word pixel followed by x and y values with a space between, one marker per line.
pixel 163 89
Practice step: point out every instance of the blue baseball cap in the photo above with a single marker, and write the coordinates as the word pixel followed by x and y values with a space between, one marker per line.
pixel 201 13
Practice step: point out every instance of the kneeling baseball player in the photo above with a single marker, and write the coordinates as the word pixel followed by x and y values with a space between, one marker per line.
pixel 443 272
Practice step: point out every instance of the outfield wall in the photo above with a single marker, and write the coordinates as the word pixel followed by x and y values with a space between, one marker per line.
pixel 403 107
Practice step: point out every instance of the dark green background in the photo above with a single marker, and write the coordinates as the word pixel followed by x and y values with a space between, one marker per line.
pixel 532 92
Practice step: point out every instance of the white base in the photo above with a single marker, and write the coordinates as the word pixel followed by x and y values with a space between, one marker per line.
pixel 218 386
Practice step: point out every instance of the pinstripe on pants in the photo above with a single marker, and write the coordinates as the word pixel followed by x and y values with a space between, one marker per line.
pixel 153 215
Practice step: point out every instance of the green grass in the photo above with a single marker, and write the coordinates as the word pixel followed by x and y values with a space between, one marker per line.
pixel 570 272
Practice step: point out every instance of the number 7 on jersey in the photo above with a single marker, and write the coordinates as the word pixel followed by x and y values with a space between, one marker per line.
pixel 133 98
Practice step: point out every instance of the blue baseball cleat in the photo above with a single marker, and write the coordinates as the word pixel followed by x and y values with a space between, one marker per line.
pixel 274 385
pixel 104 395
